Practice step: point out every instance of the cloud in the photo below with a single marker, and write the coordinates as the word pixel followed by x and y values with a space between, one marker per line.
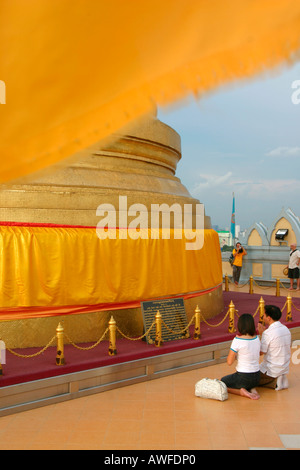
pixel 277 190
pixel 252 188
pixel 284 152
pixel 211 181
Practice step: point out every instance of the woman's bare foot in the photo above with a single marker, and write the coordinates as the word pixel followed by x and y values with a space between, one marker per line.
pixel 253 395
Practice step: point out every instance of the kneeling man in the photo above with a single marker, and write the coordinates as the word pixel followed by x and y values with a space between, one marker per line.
pixel 276 348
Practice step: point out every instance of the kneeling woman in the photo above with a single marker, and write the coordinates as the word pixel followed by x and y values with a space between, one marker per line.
pixel 246 349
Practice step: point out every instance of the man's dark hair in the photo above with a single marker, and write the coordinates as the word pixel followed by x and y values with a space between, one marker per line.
pixel 246 325
pixel 273 311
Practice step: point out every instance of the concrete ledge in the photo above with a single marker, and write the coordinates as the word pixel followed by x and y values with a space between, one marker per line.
pixel 35 394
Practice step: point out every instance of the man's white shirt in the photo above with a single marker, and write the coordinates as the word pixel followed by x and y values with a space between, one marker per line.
pixel 294 259
pixel 276 346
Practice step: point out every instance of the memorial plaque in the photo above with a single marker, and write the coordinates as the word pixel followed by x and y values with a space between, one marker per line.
pixel 173 315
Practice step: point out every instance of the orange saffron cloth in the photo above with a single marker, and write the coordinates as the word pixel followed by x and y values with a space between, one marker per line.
pixel 76 71
pixel 52 269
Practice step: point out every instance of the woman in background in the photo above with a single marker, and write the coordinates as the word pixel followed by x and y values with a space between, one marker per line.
pixel 238 253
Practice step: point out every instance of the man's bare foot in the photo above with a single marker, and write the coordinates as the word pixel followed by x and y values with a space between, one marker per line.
pixel 253 395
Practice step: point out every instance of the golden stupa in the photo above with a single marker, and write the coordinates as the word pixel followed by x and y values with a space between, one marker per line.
pixel 139 164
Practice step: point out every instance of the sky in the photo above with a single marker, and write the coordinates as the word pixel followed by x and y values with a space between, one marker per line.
pixel 243 138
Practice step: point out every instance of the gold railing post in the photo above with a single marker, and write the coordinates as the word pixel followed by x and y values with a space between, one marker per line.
pixel 289 308
pixel 226 283
pixel 112 325
pixel 231 328
pixel 60 358
pixel 261 310
pixel 278 287
pixel 251 285
pixel 197 333
pixel 158 336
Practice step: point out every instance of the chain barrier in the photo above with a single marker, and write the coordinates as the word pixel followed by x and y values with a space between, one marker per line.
pixel 286 288
pixel 218 324
pixel 284 306
pixel 87 348
pixel 28 356
pixel 255 311
pixel 112 328
pixel 251 281
pixel 181 331
pixel 262 287
pixel 238 286
pixel 136 338
pixel 298 309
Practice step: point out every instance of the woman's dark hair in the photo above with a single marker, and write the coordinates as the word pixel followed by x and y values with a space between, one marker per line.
pixel 246 325
pixel 273 311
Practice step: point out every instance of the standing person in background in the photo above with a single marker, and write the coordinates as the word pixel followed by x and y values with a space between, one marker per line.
pixel 238 253
pixel 293 267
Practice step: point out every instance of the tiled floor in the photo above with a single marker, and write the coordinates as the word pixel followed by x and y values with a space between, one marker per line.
pixel 162 414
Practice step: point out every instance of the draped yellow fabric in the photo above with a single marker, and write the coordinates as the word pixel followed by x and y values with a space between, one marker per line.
pixel 52 266
pixel 74 71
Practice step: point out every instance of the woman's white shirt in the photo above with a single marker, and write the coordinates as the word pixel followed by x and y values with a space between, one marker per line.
pixel 248 353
